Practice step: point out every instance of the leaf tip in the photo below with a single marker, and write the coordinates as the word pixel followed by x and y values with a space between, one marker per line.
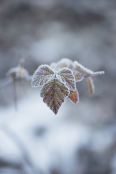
pixel 74 96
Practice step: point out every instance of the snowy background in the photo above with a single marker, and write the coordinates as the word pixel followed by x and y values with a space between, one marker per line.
pixel 80 139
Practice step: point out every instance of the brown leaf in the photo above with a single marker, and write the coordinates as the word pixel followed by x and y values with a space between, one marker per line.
pixel 74 96
pixel 86 71
pixel 90 85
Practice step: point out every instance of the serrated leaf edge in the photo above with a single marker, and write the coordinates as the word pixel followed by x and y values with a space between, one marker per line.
pixel 64 97
pixel 57 74
pixel 36 72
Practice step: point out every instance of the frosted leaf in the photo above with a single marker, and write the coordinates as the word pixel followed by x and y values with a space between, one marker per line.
pixel 90 85
pixel 18 73
pixel 42 75
pixel 88 74
pixel 66 76
pixel 54 93
pixel 86 71
pixel 65 63
pixel 78 76
pixel 53 66
pixel 81 68
pixel 74 96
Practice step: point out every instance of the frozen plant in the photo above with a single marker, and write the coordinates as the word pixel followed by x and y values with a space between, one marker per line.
pixel 58 81
pixel 15 74
pixel 19 72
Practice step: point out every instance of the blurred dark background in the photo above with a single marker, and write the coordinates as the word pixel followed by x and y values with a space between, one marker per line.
pixel 81 139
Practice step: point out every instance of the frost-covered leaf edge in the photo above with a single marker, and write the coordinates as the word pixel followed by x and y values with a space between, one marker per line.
pixel 64 97
pixel 80 67
pixel 64 81
pixel 52 76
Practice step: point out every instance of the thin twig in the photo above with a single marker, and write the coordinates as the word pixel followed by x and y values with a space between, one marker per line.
pixel 14 94
pixel 24 88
